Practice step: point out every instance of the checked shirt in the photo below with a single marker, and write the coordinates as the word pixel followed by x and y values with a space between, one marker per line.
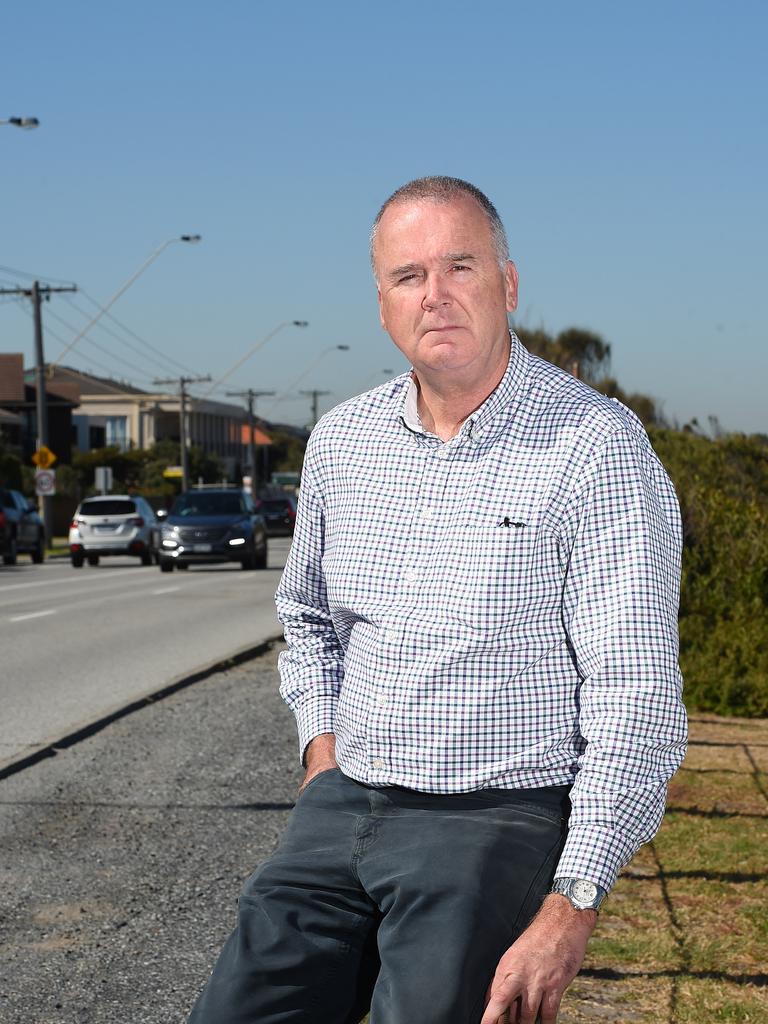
pixel 498 610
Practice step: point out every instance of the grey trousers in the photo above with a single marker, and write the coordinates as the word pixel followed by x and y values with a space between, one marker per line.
pixel 388 899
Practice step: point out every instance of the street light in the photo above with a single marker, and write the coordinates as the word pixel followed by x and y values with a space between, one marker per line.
pixel 21 122
pixel 253 351
pixel 123 288
pixel 306 372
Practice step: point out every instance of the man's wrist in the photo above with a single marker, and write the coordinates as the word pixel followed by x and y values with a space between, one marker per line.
pixel 320 750
pixel 581 893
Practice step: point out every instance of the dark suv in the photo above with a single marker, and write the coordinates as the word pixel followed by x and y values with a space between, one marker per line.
pixel 21 528
pixel 213 525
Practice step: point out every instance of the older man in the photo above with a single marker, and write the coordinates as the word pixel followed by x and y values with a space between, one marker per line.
pixel 480 606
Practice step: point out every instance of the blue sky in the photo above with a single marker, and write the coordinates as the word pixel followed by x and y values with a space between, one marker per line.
pixel 624 146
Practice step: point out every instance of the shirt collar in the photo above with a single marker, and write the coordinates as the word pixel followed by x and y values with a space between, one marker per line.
pixel 501 396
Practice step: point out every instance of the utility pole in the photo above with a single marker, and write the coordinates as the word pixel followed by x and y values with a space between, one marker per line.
pixel 182 382
pixel 250 395
pixel 37 293
pixel 314 395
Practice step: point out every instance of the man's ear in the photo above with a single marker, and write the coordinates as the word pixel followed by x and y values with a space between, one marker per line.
pixel 510 286
pixel 381 308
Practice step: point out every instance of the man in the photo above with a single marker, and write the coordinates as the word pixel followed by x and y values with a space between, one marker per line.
pixel 480 605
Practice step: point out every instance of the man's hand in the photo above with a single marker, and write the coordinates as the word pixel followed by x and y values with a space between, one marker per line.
pixel 319 756
pixel 536 970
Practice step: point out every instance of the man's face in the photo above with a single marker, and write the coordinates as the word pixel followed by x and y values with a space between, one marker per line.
pixel 442 296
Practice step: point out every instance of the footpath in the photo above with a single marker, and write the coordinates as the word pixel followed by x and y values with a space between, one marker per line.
pixel 121 858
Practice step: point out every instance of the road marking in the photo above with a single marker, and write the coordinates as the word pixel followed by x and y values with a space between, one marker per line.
pixel 67 580
pixel 31 615
pixel 166 590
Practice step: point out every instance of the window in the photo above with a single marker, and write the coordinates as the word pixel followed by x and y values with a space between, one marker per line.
pixel 117 431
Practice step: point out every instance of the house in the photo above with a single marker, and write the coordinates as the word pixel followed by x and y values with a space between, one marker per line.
pixel 116 413
pixel 18 410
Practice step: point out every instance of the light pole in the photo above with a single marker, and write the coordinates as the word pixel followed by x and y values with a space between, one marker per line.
pixel 251 397
pixel 252 351
pixel 331 348
pixel 123 288
pixel 21 122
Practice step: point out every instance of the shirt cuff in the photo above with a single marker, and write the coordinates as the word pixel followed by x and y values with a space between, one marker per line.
pixel 313 717
pixel 595 853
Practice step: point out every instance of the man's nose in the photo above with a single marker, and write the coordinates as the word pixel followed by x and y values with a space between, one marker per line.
pixel 436 292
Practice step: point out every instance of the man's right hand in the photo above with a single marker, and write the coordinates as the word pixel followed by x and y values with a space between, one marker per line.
pixel 319 756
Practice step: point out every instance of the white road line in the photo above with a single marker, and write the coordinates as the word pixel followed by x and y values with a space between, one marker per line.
pixel 32 615
pixel 67 580
pixel 166 590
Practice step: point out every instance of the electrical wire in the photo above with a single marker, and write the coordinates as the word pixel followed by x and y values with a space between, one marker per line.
pixel 117 337
pixel 138 337
pixel 137 369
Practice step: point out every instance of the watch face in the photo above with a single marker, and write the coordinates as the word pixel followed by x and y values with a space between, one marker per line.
pixel 583 891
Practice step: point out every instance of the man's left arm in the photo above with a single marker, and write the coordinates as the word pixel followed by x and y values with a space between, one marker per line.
pixel 622 547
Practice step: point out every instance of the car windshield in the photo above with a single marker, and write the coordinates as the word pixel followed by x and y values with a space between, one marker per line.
pixel 203 504
pixel 108 507
pixel 275 505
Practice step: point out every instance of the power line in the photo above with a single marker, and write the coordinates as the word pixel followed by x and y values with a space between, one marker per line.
pixel 96 345
pixel 182 383
pixel 133 334
pixel 33 277
pixel 122 341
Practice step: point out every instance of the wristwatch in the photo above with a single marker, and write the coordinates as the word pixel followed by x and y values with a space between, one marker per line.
pixel 583 895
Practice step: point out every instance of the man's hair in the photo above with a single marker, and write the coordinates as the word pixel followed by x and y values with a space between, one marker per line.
pixel 439 188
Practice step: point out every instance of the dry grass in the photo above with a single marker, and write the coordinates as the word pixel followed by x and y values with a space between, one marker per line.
pixel 684 937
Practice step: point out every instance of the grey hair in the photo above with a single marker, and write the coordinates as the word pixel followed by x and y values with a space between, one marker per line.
pixel 439 188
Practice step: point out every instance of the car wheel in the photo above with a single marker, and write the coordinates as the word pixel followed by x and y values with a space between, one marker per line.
pixel 77 561
pixel 249 560
pixel 93 559
pixel 10 556
pixel 146 558
pixel 261 556
pixel 183 565
pixel 38 551
pixel 166 565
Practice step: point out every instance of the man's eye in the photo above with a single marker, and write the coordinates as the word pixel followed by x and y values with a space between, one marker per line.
pixel 405 278
pixel 459 266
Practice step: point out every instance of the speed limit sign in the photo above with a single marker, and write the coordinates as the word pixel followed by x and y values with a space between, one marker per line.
pixel 45 482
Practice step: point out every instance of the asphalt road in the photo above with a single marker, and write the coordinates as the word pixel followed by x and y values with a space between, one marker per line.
pixel 121 857
pixel 78 643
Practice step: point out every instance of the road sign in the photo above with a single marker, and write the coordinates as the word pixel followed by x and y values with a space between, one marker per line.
pixel 173 472
pixel 44 458
pixel 103 479
pixel 45 482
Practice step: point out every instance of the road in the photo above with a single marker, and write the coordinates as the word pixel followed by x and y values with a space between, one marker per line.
pixel 79 643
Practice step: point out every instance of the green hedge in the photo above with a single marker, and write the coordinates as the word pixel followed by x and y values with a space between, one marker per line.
pixel 723 489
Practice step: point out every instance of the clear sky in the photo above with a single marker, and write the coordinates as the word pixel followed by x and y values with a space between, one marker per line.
pixel 623 144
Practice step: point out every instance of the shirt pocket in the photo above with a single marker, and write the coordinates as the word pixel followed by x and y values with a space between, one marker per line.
pixel 511 574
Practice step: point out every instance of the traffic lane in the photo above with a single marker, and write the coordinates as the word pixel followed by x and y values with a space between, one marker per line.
pixel 58 585
pixel 124 854
pixel 99 651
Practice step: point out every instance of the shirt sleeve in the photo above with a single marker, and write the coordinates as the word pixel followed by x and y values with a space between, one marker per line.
pixel 620 607
pixel 312 667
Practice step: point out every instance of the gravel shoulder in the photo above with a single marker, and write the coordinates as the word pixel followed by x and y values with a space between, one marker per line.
pixel 121 858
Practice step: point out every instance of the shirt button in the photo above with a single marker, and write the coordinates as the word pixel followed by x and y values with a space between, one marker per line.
pixel 381 700
pixel 377 763
pixel 411 576
pixel 427 513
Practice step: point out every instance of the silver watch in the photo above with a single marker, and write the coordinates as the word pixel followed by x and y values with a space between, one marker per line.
pixel 583 895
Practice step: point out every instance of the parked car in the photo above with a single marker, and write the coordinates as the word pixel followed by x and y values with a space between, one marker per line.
pixel 213 525
pixel 279 514
pixel 21 528
pixel 112 524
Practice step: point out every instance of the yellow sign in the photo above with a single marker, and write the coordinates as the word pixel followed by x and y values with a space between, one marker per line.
pixel 44 458
pixel 173 471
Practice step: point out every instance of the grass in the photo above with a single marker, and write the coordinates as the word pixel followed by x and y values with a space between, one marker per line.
pixel 684 937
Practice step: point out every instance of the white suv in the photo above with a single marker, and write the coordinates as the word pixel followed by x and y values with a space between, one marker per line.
pixel 113 524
